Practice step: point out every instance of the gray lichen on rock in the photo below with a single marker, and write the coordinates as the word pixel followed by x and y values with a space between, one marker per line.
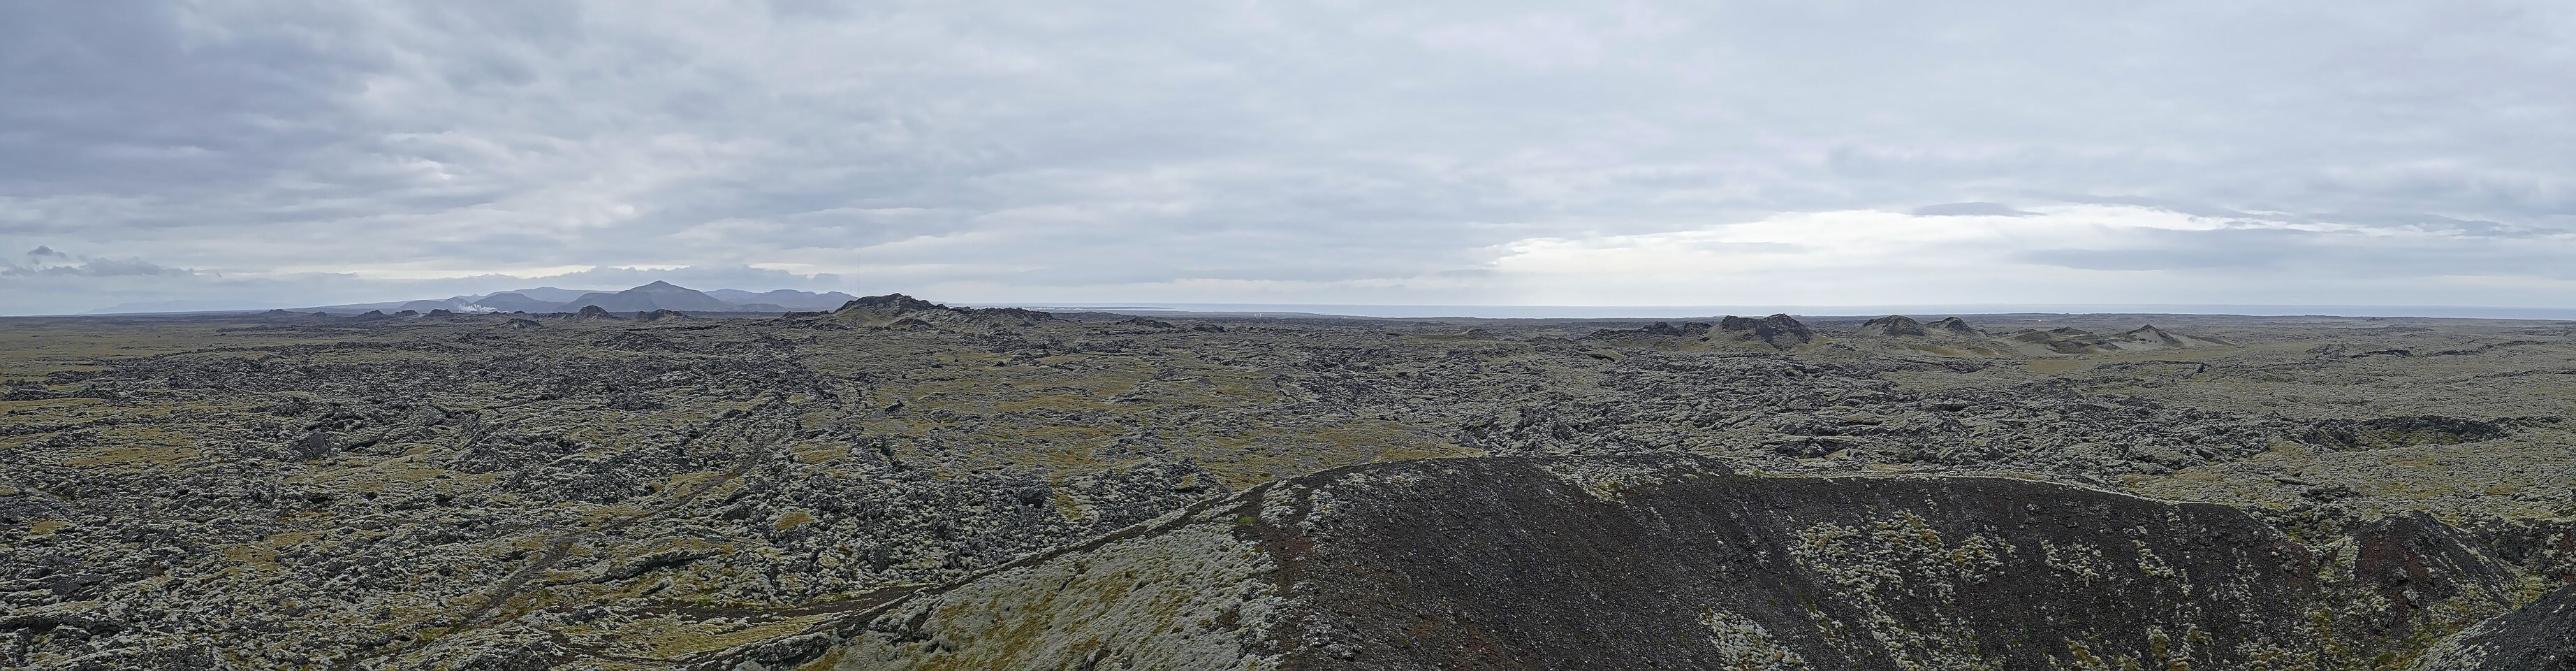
pixel 1743 645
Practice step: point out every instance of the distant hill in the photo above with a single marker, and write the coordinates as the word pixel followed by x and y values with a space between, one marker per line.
pixel 512 301
pixel 550 294
pixel 785 298
pixel 656 296
pixel 647 298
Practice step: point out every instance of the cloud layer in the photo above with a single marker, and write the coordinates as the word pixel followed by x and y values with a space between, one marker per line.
pixel 1816 153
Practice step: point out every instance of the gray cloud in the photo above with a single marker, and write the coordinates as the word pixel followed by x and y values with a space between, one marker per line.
pixel 136 286
pixel 2311 255
pixel 1124 151
pixel 117 267
pixel 1971 210
pixel 46 261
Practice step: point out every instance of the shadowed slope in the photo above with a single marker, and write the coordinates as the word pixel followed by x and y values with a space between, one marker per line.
pixel 1674 562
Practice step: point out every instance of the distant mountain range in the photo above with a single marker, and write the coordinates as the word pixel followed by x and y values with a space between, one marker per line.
pixel 647 298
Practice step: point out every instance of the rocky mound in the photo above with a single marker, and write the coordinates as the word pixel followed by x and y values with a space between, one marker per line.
pixel 2062 340
pixel 898 311
pixel 894 302
pixel 1893 325
pixel 1675 562
pixel 2150 337
pixel 591 312
pixel 2071 340
pixel 1955 326
pixel 1657 329
pixel 1779 330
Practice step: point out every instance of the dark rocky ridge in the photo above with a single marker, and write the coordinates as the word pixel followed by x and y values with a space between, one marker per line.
pixel 899 311
pixel 1675 562
pixel 1779 330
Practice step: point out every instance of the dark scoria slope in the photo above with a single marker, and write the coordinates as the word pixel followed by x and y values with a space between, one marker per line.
pixel 2538 637
pixel 1675 562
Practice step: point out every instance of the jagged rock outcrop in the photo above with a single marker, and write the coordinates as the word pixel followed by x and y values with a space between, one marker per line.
pixel 1671 561
pixel 1893 325
pixel 1777 330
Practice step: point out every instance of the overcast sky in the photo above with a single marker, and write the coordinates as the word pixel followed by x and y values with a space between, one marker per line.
pixel 1703 153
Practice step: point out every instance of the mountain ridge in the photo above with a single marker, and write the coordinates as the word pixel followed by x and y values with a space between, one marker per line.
pixel 656 295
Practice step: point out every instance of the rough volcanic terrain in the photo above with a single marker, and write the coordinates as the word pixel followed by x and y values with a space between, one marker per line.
pixel 661 489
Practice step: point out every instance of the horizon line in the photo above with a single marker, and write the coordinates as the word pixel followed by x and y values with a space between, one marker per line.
pixel 1563 311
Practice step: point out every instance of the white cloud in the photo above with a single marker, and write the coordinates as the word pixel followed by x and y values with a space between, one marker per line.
pixel 2059 254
